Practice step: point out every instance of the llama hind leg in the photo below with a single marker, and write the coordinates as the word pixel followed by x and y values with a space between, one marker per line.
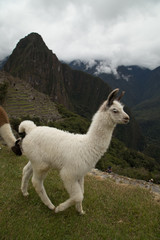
pixel 27 173
pixel 37 180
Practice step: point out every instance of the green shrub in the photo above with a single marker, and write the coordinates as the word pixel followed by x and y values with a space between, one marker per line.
pixel 129 162
pixel 16 121
pixel 70 121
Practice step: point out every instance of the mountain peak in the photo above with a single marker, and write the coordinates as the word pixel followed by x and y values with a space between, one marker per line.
pixel 30 54
pixel 31 40
pixel 34 35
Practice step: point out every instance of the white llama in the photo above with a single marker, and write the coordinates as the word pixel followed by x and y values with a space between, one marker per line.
pixel 72 154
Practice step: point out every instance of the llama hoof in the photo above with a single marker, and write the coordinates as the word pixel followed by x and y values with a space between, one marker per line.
pixel 56 210
pixel 60 208
pixel 51 207
pixel 82 213
pixel 26 194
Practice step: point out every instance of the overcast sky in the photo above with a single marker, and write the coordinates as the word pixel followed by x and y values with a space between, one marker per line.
pixel 120 31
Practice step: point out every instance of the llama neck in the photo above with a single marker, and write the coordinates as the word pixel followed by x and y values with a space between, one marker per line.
pixel 7 134
pixel 99 135
pixel 101 128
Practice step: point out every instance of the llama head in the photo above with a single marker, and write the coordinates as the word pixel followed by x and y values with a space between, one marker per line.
pixel 114 109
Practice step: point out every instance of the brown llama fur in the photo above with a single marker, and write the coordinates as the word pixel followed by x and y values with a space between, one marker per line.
pixel 3 117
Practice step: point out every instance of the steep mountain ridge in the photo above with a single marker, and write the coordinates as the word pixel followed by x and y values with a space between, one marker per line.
pixel 152 86
pixel 2 62
pixel 132 79
pixel 32 61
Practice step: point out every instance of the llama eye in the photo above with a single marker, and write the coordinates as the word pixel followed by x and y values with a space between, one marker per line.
pixel 115 110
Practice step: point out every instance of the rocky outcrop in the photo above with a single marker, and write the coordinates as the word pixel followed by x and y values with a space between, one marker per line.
pixel 155 188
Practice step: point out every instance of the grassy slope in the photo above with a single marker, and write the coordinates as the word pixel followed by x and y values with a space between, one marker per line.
pixel 112 211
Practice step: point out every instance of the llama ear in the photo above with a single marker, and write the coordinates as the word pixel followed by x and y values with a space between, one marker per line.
pixel 122 94
pixel 112 97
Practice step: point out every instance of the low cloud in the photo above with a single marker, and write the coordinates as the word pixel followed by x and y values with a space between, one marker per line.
pixel 124 31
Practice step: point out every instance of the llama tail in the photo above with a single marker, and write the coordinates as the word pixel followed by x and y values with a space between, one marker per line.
pixel 7 134
pixel 26 127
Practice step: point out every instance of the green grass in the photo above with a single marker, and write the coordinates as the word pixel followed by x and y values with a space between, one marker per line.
pixel 113 212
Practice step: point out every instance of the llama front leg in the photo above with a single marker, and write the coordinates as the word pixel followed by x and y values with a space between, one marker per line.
pixel 27 173
pixel 81 183
pixel 79 204
pixel 37 180
pixel 76 198
pixel 75 193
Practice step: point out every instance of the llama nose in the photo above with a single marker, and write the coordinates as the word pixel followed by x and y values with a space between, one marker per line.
pixel 126 119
